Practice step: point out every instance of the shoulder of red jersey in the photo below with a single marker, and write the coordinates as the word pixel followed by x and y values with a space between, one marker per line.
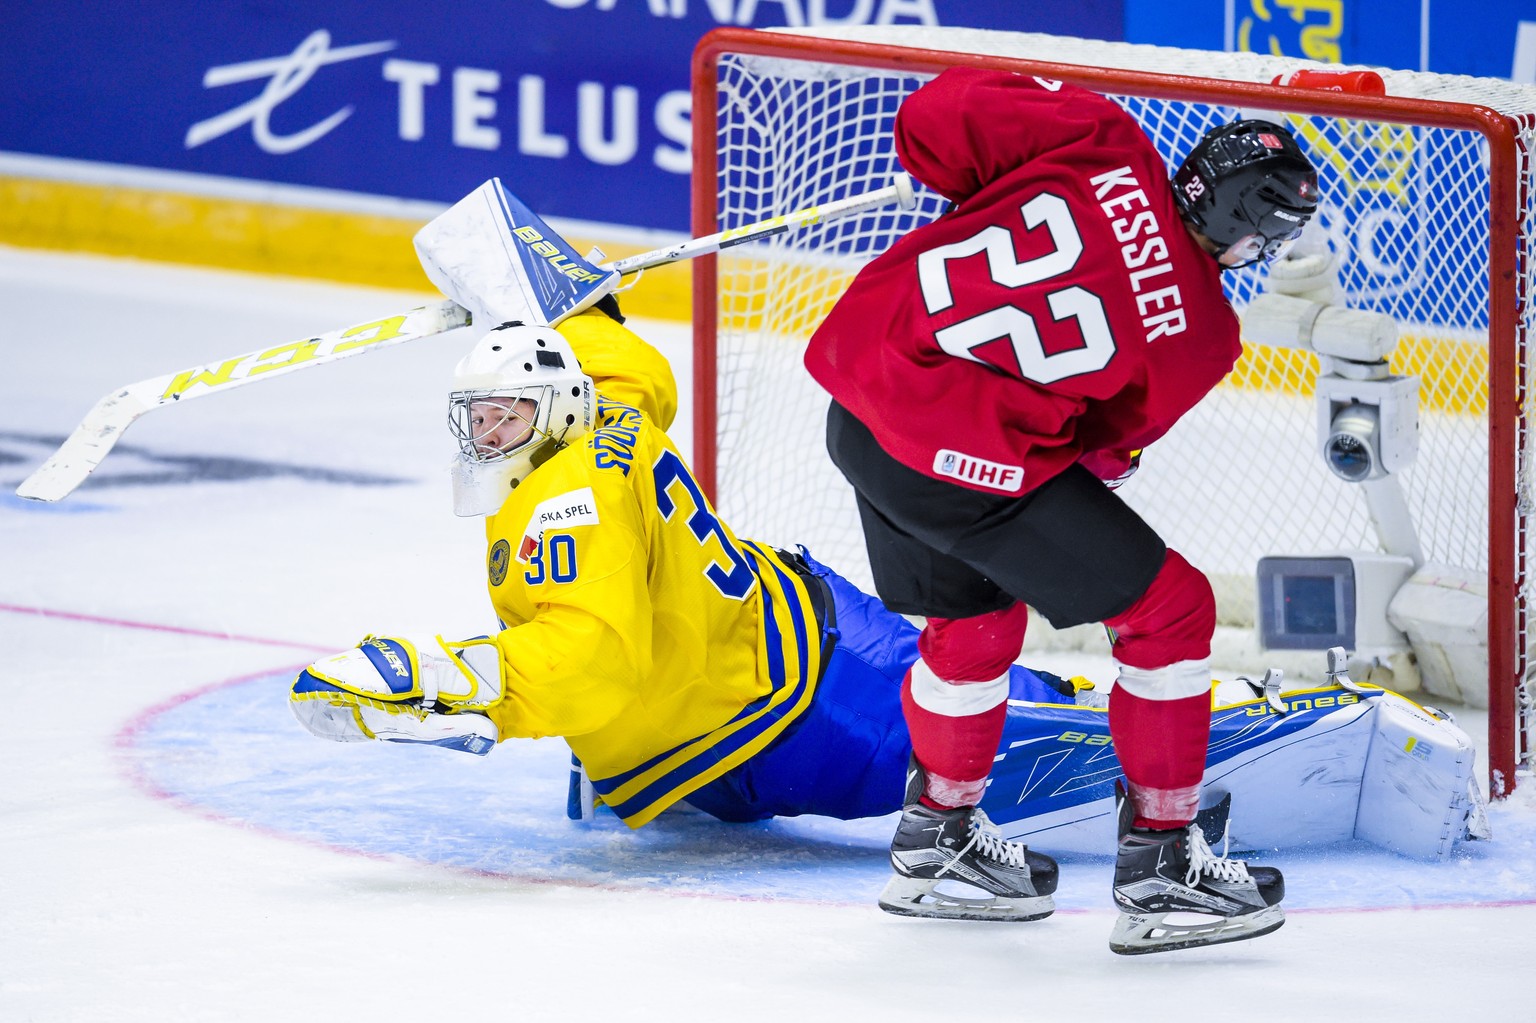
pixel 969 127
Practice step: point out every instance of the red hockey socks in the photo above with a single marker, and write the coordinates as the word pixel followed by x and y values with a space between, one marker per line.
pixel 955 699
pixel 955 749
pixel 1161 746
pixel 1160 708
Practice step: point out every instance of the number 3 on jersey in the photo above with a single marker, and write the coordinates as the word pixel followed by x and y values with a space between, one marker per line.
pixel 738 580
pixel 1007 320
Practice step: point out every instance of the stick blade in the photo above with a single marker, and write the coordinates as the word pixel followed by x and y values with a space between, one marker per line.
pixel 83 450
pixel 92 440
pixel 55 479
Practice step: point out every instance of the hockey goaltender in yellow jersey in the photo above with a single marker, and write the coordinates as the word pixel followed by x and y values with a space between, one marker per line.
pixel 633 623
pixel 625 601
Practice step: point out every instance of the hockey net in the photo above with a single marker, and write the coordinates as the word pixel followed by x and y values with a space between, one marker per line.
pixel 1428 205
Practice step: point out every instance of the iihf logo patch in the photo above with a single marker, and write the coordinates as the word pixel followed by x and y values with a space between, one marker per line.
pixel 497 561
pixel 978 472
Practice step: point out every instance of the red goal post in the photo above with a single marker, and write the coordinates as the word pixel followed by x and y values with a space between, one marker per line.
pixel 1428 204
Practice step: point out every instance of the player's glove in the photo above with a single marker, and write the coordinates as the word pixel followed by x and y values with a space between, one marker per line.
pixel 1130 470
pixel 609 304
pixel 393 689
pixel 1112 467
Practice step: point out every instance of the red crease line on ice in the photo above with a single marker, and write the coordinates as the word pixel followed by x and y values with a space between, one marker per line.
pixel 127 737
pixel 125 746
pixel 75 616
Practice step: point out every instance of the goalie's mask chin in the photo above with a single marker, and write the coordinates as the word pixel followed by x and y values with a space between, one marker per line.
pixel 518 397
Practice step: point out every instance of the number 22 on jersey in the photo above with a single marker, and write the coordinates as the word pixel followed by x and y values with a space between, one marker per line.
pixel 1007 271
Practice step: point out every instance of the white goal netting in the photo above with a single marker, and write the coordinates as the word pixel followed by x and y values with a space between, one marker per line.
pixel 1409 212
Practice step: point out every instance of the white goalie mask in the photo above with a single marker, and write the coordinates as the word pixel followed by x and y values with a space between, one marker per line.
pixel 518 397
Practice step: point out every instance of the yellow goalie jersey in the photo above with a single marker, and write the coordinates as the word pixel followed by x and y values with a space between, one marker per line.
pixel 635 624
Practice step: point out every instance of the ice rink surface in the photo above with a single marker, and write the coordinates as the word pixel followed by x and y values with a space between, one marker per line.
pixel 173 847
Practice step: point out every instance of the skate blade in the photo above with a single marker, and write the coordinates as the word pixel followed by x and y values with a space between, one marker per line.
pixel 912 896
pixel 1137 934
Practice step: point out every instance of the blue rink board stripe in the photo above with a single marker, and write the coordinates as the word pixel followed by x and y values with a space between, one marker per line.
pixel 235 751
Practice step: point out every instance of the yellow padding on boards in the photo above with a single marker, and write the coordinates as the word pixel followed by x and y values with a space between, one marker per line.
pixel 259 237
pixel 1453 375
pixel 375 250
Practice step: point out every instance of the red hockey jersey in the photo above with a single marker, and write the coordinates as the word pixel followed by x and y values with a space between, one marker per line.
pixel 1061 312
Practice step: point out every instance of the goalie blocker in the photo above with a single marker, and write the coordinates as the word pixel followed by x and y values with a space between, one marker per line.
pixel 494 256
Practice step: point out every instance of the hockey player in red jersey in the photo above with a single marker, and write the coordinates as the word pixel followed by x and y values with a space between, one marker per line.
pixel 989 374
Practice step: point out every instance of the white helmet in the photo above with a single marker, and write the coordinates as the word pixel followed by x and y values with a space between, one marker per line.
pixel 518 397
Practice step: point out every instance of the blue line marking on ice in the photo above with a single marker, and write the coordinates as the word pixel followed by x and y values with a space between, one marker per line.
pixel 74 507
pixel 236 751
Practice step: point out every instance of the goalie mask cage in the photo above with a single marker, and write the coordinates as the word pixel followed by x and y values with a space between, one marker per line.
pixel 1428 205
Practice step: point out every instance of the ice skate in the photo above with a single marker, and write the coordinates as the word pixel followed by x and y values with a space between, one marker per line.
pixel 1160 873
pixel 955 865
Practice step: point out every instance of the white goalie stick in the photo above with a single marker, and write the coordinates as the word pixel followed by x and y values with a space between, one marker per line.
pixel 90 442
pixel 104 424
pixel 898 191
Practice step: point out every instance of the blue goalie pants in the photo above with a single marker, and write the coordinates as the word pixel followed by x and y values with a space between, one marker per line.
pixel 847 757
pixel 1312 766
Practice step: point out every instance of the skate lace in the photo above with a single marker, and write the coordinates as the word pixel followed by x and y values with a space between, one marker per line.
pixel 986 839
pixel 1203 860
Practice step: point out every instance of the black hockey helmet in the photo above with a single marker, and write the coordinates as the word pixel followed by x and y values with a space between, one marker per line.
pixel 1247 186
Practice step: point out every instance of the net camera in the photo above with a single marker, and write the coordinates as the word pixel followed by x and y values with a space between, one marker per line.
pixel 1368 428
pixel 1367 417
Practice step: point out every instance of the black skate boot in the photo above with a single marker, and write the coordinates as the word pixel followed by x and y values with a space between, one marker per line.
pixel 1162 872
pixel 984 875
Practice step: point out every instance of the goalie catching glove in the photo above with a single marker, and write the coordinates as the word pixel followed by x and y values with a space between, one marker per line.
pixel 390 688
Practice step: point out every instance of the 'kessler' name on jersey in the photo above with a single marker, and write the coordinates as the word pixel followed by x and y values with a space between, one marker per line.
pixel 1145 251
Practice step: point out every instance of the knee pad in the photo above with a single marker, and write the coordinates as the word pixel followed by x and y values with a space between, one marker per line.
pixel 975 649
pixel 1172 621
